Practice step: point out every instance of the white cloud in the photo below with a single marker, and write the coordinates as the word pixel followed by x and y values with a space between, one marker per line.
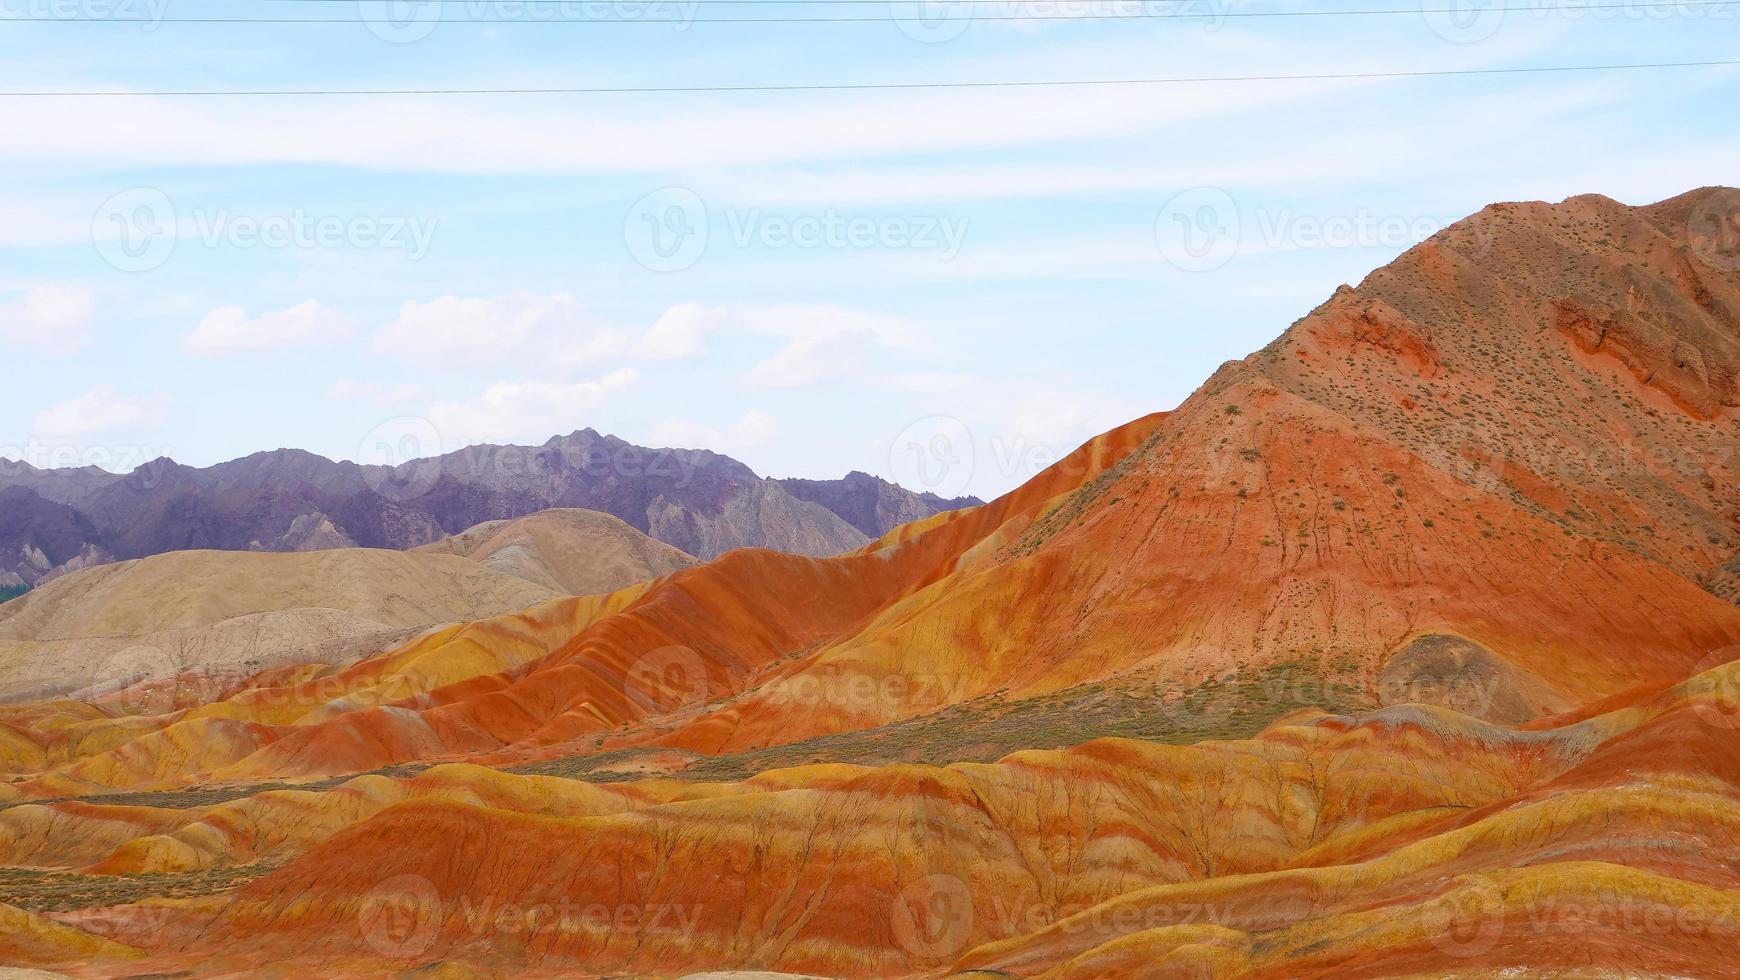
pixel 103 410
pixel 432 134
pixel 813 360
pixel 525 411
pixel 227 330
pixel 680 331
pixel 435 134
pixel 822 342
pixel 49 319
pixel 825 343
pixel 823 321
pixel 345 389
pixel 754 429
pixel 551 333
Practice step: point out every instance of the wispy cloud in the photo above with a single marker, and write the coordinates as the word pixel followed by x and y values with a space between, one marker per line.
pixel 102 411
pixel 749 432
pixel 49 319
pixel 525 411
pixel 229 330
pixel 530 332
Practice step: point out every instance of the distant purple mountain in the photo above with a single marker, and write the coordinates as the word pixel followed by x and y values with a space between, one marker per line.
pixel 55 521
pixel 873 505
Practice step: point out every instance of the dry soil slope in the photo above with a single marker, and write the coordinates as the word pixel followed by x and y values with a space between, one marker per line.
pixel 567 550
pixel 236 613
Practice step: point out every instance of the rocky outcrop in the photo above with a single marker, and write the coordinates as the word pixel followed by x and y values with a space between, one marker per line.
pixel 41 540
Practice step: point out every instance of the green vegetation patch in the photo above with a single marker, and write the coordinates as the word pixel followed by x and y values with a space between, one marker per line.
pixel 1234 706
pixel 987 729
pixel 197 796
pixel 65 891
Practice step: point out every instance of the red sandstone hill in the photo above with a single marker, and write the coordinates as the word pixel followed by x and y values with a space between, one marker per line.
pixel 1495 481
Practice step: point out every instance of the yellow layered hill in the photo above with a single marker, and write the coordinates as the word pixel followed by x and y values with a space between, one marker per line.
pixel 566 550
pixel 236 613
pixel 1408 841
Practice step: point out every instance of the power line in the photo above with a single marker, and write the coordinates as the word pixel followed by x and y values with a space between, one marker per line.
pixel 1570 6
pixel 891 16
pixel 873 86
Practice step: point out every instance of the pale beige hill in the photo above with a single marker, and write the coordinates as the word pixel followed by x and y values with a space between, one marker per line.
pixel 236 613
pixel 579 552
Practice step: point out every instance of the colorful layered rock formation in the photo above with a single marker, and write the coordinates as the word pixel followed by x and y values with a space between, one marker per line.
pixel 1417 614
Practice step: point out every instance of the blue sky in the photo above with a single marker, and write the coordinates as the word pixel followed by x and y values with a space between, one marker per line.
pixel 809 281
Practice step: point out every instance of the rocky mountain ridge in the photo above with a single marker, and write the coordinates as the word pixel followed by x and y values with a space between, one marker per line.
pixel 702 503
